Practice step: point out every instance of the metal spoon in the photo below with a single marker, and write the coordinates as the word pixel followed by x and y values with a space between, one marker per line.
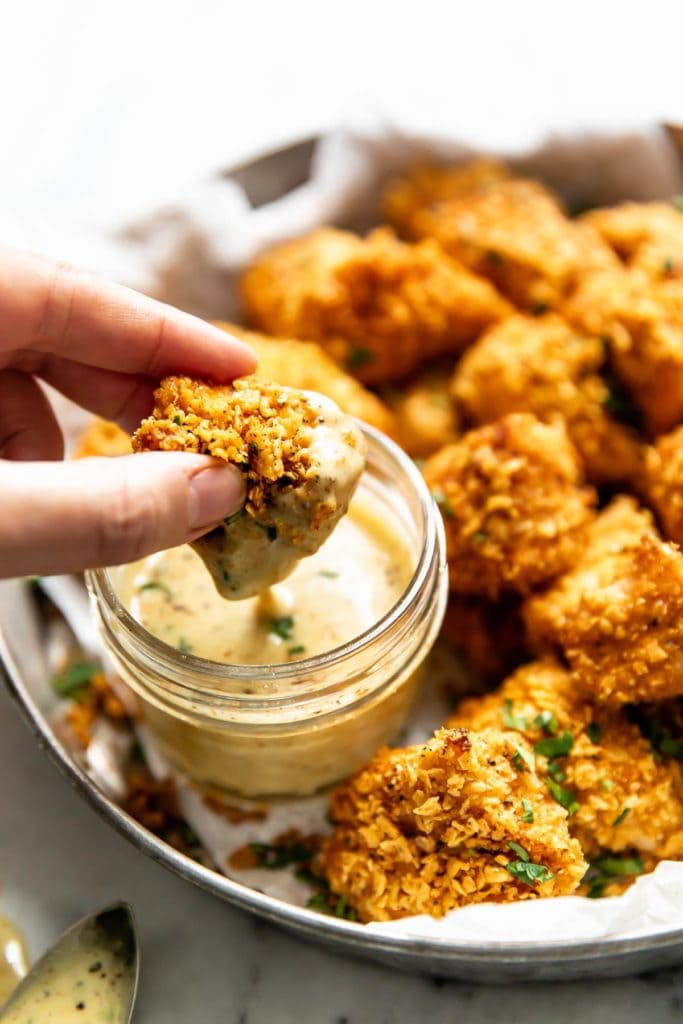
pixel 89 976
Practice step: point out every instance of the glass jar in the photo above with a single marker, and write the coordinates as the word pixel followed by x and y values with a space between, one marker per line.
pixel 292 729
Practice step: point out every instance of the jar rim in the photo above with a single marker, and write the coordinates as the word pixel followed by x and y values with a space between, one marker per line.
pixel 205 670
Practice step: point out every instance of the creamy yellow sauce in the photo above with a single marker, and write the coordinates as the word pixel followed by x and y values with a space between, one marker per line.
pixel 329 599
pixel 13 961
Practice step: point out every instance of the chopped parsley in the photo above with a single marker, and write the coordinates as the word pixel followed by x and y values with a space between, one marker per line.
pixel 620 817
pixel 280 855
pixel 607 785
pixel 662 743
pixel 547 721
pixel 177 419
pixel 620 405
pixel 282 627
pixel 607 868
pixel 156 585
pixel 253 448
pixel 594 732
pixel 671 747
pixel 558 746
pixel 298 649
pixel 328 574
pixel 555 771
pixel 564 797
pixel 669 266
pixel 443 503
pixel 235 516
pixel 480 536
pixel 512 720
pixel 359 356
pixel 519 850
pixel 527 811
pixel 522 760
pixel 74 680
pixel 528 873
pixel 184 646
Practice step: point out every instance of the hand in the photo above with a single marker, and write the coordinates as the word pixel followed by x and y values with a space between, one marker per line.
pixel 105 347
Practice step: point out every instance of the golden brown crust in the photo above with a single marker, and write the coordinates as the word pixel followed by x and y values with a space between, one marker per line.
pixel 648 236
pixel 515 512
pixel 425 414
pixel 617 618
pixel 544 366
pixel 427 829
pixel 627 799
pixel 427 185
pixel 259 426
pixel 305 365
pixel 101 437
pixel 489 635
pixel 378 306
pixel 642 320
pixel 515 233
pixel 663 483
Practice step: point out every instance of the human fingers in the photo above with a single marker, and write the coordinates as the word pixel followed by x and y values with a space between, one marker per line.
pixel 52 308
pixel 28 427
pixel 62 517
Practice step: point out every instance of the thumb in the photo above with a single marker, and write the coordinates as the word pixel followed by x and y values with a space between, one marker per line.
pixel 62 517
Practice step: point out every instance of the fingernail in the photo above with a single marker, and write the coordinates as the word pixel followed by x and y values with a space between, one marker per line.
pixel 215 494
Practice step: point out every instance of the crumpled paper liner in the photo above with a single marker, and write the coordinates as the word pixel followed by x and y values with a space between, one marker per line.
pixel 192 255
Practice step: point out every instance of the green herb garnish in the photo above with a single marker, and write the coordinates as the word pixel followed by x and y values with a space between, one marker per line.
pixel 529 873
pixel 235 516
pixel 523 759
pixel 328 574
pixel 607 868
pixel 184 646
pixel 512 720
pixel 74 680
pixel 480 536
pixel 620 405
pixel 671 747
pixel 444 503
pixel 177 419
pixel 558 746
pixel 268 529
pixel 253 448
pixel 620 817
pixel 519 850
pixel 282 627
pixel 607 785
pixel 156 585
pixel 280 855
pixel 359 356
pixel 299 649
pixel 564 797
pixel 547 722
pixel 594 732
pixel 669 266
pixel 527 811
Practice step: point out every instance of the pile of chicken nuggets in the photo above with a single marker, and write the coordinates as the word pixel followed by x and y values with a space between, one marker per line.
pixel 532 362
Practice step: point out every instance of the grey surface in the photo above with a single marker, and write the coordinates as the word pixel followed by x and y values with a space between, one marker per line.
pixel 204 962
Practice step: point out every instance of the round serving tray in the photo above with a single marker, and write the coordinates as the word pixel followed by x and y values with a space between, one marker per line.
pixel 27 676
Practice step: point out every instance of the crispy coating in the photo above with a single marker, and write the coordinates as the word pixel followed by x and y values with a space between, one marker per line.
pixel 544 366
pixel 101 437
pixel 428 828
pixel 627 798
pixel 489 635
pixel 427 185
pixel 617 618
pixel 663 482
pixel 379 306
pixel 515 233
pixel 425 413
pixel 301 458
pixel 305 365
pixel 642 321
pixel 515 511
pixel 648 236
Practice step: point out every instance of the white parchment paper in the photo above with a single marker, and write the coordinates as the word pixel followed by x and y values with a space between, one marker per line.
pixel 191 254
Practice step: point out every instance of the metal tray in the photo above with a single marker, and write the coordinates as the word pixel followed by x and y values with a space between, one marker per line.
pixel 27 677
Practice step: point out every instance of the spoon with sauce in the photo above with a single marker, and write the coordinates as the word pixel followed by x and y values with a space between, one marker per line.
pixel 90 974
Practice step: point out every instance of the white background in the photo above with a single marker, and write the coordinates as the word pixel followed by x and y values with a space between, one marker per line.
pixel 107 110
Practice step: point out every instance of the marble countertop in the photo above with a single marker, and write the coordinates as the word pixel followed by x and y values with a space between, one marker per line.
pixel 204 962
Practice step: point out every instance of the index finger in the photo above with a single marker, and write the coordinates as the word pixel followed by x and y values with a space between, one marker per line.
pixel 52 308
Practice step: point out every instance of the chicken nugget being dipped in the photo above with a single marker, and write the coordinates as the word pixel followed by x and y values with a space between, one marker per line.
pixel 301 458
pixel 446 824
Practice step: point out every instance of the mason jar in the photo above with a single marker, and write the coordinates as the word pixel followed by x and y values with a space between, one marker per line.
pixel 294 728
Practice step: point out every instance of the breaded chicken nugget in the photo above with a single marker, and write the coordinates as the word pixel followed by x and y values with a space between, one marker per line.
pixel 305 365
pixel 424 410
pixel 101 437
pixel 663 482
pixel 648 236
pixel 544 366
pixel 301 457
pixel 427 185
pixel 379 306
pixel 444 825
pixel 515 511
pixel 489 635
pixel 594 760
pixel 617 618
pixel 642 321
pixel 516 234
